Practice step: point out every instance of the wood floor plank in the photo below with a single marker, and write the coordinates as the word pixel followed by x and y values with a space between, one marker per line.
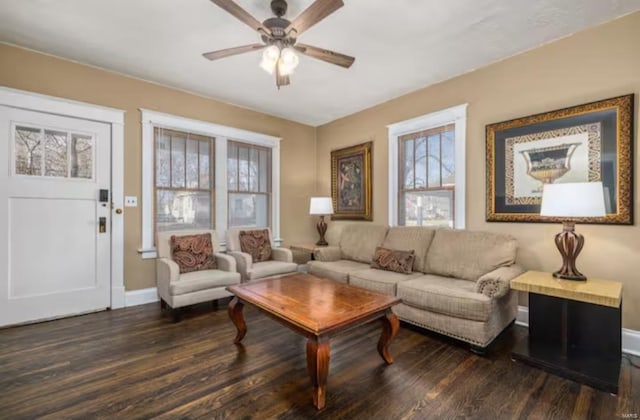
pixel 135 363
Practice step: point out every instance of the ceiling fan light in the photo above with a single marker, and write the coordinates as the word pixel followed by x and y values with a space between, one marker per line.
pixel 270 58
pixel 288 61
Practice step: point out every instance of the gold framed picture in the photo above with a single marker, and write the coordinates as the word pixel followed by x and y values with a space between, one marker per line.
pixel 351 183
pixel 584 143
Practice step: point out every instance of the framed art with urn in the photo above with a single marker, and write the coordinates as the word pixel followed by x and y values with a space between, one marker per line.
pixel 585 143
pixel 351 183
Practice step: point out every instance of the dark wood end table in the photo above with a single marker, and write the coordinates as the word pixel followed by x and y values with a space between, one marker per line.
pixel 574 328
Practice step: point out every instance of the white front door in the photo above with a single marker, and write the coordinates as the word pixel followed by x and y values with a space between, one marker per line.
pixel 54 229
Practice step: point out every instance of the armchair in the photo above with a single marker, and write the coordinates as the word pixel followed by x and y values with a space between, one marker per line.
pixel 281 261
pixel 177 290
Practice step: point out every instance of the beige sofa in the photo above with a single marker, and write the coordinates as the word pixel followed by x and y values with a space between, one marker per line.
pixel 460 284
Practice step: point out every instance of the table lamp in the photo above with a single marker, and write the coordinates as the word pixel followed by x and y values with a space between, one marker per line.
pixel 569 201
pixel 321 206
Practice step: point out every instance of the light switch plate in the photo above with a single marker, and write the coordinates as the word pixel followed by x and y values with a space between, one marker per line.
pixel 131 201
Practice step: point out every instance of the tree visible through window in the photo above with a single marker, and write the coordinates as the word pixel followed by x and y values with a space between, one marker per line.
pixel 427 177
pixel 52 153
pixel 248 185
pixel 184 185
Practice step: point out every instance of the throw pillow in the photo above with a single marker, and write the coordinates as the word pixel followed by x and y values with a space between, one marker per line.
pixel 256 243
pixel 193 252
pixel 393 260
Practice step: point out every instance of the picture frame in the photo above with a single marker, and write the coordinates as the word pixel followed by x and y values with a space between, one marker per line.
pixel 351 190
pixel 584 143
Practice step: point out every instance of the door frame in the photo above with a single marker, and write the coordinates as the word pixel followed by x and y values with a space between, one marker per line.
pixel 31 101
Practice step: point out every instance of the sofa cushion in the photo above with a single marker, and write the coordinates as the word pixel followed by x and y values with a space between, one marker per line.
pixel 201 280
pixel 193 252
pixel 271 268
pixel 468 255
pixel 256 243
pixel 358 241
pixel 411 237
pixel 335 270
pixel 447 296
pixel 379 280
pixel 393 260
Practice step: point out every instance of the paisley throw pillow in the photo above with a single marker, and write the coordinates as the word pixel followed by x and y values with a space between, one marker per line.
pixel 393 260
pixel 193 252
pixel 256 243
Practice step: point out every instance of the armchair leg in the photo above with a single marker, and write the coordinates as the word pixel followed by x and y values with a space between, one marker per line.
pixel 163 305
pixel 214 304
pixel 176 314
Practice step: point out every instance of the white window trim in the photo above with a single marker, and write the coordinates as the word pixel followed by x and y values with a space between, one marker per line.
pixel 456 115
pixel 115 118
pixel 222 135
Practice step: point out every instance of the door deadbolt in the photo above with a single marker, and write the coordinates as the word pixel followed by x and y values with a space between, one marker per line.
pixel 102 224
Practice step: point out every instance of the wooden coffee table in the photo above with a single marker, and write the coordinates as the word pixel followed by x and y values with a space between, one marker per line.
pixel 317 308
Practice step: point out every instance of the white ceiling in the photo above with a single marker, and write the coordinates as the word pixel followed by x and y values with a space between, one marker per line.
pixel 400 45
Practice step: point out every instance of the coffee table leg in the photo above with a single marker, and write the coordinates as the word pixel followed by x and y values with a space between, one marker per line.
pixel 390 325
pixel 235 313
pixel 318 351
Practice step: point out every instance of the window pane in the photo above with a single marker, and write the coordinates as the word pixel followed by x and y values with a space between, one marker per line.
pixel 243 162
pixel 177 161
pixel 253 169
pixel 28 151
pixel 434 161
pixel 81 156
pixel 163 156
pixel 421 163
pixel 192 164
pixel 408 164
pixel 428 208
pixel 205 170
pixel 232 167
pixel 264 171
pixel 248 210
pixel 182 210
pixel 55 153
pixel 448 158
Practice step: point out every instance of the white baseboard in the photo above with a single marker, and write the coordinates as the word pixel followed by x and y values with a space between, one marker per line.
pixel 141 296
pixel 631 341
pixel 630 338
pixel 118 297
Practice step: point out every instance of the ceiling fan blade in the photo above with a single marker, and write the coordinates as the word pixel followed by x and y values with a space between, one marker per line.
pixel 237 11
pixel 313 14
pixel 326 55
pixel 214 55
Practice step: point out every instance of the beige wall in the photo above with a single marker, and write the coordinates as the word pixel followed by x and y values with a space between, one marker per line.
pixel 22 69
pixel 600 63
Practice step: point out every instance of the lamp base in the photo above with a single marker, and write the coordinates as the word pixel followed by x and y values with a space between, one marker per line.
pixel 322 229
pixel 569 243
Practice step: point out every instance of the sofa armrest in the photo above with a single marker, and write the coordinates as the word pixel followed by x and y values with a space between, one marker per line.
pixel 167 272
pixel 497 283
pixel 244 263
pixel 225 262
pixel 329 253
pixel 281 254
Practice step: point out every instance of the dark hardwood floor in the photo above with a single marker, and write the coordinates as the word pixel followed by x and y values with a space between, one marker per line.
pixel 135 363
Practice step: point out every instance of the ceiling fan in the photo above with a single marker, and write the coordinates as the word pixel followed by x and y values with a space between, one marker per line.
pixel 280 37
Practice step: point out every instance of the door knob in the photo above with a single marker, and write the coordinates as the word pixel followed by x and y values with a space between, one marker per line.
pixel 118 211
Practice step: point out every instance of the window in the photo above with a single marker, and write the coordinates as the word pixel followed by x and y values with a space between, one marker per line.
pixel 427 170
pixel 52 153
pixel 195 176
pixel 248 185
pixel 183 181
pixel 426 185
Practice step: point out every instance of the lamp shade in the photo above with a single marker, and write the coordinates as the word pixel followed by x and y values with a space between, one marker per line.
pixel 579 199
pixel 321 205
